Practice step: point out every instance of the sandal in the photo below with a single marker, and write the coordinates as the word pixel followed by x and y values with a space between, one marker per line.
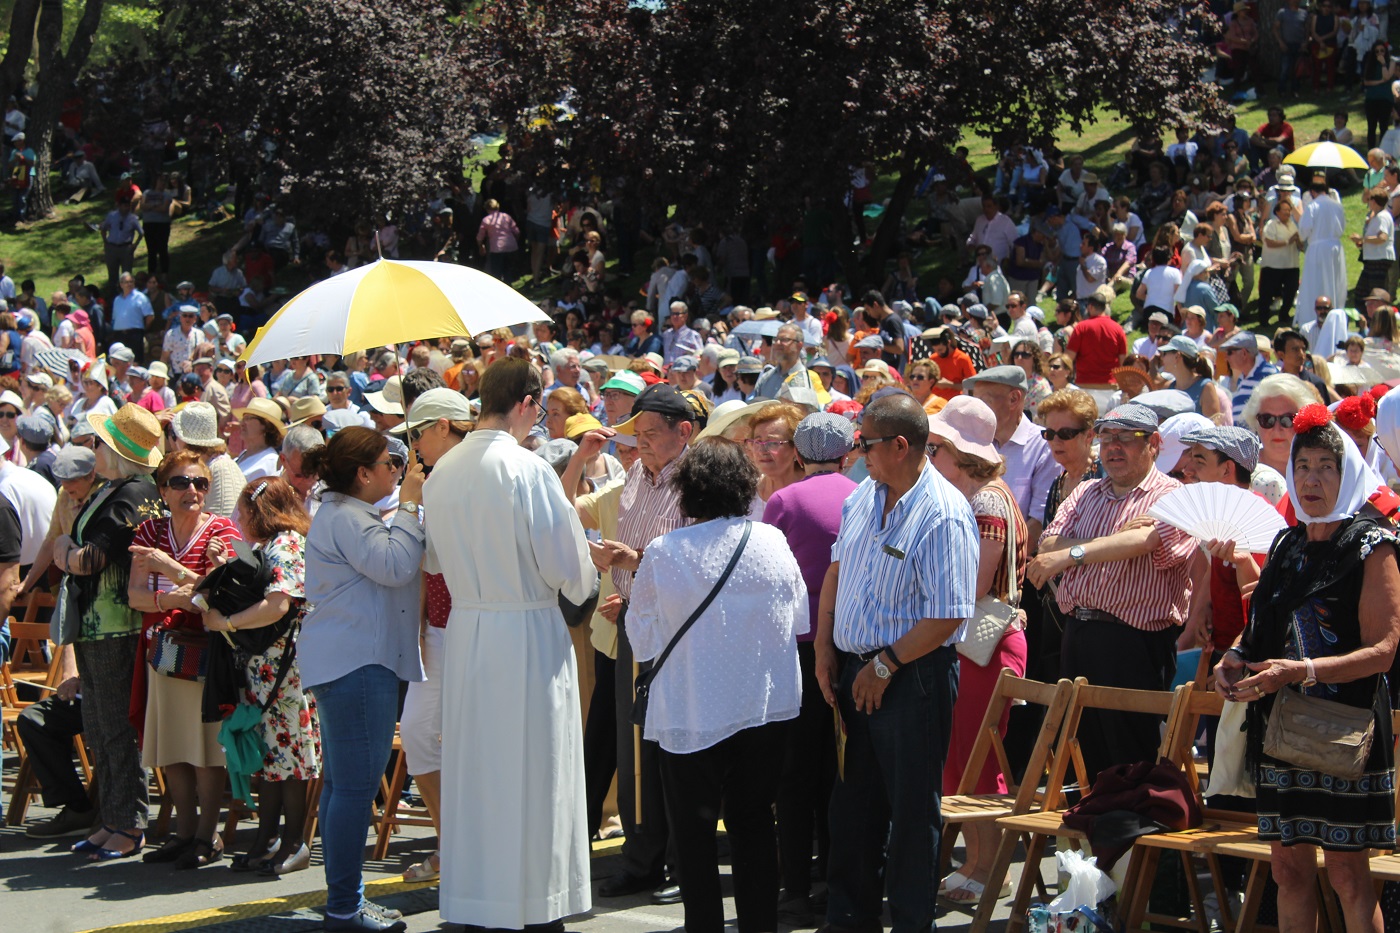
pixel 173 848
pixel 953 882
pixel 426 870
pixel 254 860
pixel 87 846
pixel 105 854
pixel 202 853
pixel 969 894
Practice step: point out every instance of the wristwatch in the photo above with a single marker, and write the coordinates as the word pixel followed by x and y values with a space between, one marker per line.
pixel 408 505
pixel 1076 554
pixel 1309 673
pixel 882 671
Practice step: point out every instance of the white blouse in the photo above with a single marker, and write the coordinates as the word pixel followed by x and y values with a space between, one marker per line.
pixel 737 666
pixel 258 465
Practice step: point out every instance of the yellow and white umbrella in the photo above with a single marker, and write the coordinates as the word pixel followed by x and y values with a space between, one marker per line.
pixel 387 302
pixel 1326 155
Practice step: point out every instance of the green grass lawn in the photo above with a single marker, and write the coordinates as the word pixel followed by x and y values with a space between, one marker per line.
pixel 50 252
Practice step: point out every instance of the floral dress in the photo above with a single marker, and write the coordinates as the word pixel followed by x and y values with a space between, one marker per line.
pixel 291 730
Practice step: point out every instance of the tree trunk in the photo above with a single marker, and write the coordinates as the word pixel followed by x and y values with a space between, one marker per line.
pixel 57 72
pixel 1267 57
pixel 887 234
pixel 21 45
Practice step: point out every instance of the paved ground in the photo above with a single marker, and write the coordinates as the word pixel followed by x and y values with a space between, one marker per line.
pixel 47 890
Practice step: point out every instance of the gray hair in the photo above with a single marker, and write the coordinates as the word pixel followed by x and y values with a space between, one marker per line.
pixel 561 356
pixel 679 307
pixel 339 378
pixel 1117 228
pixel 124 468
pixel 793 329
pixel 1279 385
pixel 302 438
pixel 387 358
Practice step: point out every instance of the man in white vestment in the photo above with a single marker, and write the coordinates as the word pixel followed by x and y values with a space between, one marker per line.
pixel 1321 227
pixel 507 541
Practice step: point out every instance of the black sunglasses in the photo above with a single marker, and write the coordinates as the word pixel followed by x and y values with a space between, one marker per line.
pixel 1064 434
pixel 1268 421
pixel 181 483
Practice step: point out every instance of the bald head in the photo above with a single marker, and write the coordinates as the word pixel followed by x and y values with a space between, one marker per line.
pixel 896 415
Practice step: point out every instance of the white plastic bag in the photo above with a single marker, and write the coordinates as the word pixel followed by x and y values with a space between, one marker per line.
pixel 1088 885
pixel 1229 774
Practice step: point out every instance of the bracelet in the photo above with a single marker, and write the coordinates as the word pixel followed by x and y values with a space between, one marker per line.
pixel 1309 673
pixel 158 606
pixel 889 650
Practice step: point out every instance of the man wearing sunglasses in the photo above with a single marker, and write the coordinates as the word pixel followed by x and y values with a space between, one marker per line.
pixel 1124 585
pixel 901 583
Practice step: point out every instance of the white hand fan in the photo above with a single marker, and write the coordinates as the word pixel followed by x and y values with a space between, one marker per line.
pixel 1225 513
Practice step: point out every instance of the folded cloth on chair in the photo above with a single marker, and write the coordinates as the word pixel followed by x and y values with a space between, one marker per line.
pixel 1133 800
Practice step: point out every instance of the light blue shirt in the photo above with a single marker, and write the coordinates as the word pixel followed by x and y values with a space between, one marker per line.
pixel 919 562
pixel 362 582
pixel 129 312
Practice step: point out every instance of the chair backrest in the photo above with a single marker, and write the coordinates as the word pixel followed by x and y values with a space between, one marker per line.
pixel 1117 699
pixel 1055 699
pixel 29 639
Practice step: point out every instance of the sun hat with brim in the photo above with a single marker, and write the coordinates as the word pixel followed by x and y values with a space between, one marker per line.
pixel 158 368
pixel 40 380
pixel 388 400
pixel 1173 430
pixel 197 423
pixel 74 462
pixel 969 425
pixel 1127 376
pixel 656 360
pixel 875 367
pixel 132 433
pixel 625 381
pixel 765 314
pixel 434 405
pixel 1132 416
pixel 306 408
pixel 1184 345
pixel 823 437
pixel 266 409
pixel 1013 376
pixel 9 397
pixel 722 420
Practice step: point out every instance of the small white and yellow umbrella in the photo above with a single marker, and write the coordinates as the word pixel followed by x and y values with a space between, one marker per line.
pixel 1326 155
pixel 387 302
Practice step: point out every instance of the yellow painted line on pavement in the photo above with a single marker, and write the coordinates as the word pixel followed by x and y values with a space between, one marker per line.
pixel 266 907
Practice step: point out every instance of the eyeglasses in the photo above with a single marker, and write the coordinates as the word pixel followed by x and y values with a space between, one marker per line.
pixel 865 443
pixel 1022 355
pixel 1162 338
pixel 1322 307
pixel 1058 366
pixel 1268 421
pixel 8 415
pixel 918 377
pixel 931 451
pixel 785 340
pixel 337 388
pixel 544 412
pixel 1121 438
pixel 1064 434
pixel 181 483
pixel 766 447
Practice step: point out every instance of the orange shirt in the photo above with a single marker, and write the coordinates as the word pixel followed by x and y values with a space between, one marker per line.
pixel 955 367
pixel 450 376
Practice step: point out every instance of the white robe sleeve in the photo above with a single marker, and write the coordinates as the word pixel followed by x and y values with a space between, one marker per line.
pixel 556 537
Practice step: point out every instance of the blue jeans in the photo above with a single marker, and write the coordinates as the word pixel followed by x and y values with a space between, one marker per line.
pixel 885 819
pixel 1288 68
pixel 357 713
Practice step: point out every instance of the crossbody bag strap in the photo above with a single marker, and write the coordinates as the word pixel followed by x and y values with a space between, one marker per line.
pixel 700 610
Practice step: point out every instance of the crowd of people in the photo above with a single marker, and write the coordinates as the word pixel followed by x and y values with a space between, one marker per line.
pixel 775 503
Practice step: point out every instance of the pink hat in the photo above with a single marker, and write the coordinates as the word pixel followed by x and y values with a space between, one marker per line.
pixel 969 425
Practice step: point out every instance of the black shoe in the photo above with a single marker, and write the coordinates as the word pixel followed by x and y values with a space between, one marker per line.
pixel 171 851
pixel 68 822
pixel 668 893
pixel 556 927
pixel 363 922
pixel 626 884
pixel 797 912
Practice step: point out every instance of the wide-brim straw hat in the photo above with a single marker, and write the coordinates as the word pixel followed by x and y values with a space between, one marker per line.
pixel 266 409
pixel 133 433
pixel 306 408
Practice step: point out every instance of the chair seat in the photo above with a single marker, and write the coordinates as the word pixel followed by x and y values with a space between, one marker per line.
pixel 1043 823
pixel 1207 837
pixel 974 808
pixel 1383 867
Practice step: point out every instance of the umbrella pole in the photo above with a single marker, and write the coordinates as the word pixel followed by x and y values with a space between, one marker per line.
pixel 636 754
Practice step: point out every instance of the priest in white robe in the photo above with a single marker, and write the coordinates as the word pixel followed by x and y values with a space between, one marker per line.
pixel 1321 228
pixel 514 840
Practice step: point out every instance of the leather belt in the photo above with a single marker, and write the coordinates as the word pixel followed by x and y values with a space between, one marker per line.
pixel 1094 615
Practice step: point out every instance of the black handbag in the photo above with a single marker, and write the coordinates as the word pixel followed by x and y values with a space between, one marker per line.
pixel 645 678
pixel 241 582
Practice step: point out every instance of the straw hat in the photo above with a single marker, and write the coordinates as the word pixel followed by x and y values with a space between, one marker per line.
pixel 306 408
pixel 197 423
pixel 132 433
pixel 264 408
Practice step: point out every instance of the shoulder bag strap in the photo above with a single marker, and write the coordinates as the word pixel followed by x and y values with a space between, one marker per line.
pixel 700 610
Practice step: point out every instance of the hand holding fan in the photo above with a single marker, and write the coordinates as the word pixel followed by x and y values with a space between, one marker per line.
pixel 1218 511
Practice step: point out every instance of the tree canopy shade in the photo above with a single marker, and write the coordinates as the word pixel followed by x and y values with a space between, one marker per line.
pixel 358 108
pixel 728 107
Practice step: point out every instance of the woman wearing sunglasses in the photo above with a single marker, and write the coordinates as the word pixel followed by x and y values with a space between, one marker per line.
pixel 1269 413
pixel 170 555
pixel 1026 354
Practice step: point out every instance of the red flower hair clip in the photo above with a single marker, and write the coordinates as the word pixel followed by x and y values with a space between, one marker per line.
pixel 1312 416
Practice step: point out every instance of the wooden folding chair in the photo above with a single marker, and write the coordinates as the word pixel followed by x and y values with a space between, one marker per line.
pixel 394 812
pixel 32 658
pixel 1048 823
pixel 966 807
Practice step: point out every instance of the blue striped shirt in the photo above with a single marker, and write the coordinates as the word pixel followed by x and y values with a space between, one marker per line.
pixel 920 562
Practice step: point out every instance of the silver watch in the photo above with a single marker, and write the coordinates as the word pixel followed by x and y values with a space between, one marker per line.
pixel 882 670
pixel 1076 554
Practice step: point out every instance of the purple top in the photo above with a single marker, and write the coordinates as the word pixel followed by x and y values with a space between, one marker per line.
pixel 808 513
pixel 1030 469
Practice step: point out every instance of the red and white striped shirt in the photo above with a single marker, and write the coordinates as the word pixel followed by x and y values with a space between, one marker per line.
pixel 1148 592
pixel 650 507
